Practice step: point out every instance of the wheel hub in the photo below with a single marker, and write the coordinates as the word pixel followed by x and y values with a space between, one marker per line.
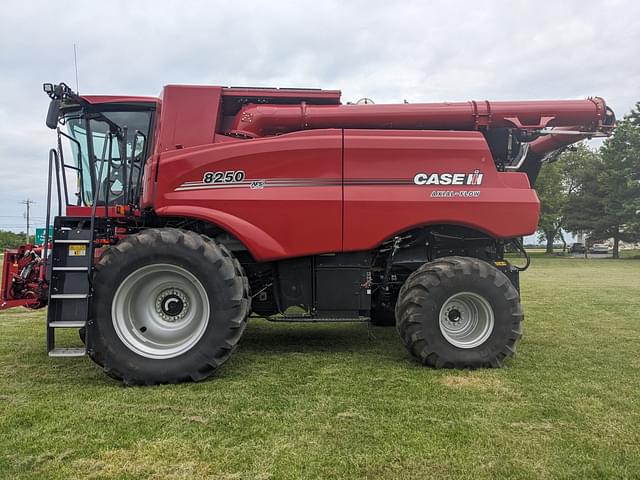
pixel 160 311
pixel 466 320
pixel 454 315
pixel 172 305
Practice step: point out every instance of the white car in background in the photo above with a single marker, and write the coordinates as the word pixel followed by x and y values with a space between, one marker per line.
pixel 601 248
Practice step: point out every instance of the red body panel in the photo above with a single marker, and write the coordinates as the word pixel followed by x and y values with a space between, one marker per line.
pixel 82 211
pixel 297 212
pixel 299 208
pixel 98 99
pixel 506 206
pixel 187 117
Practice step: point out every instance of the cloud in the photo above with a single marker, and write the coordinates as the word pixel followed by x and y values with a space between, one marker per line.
pixel 389 51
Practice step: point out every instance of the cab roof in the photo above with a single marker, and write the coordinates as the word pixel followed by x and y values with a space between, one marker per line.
pixel 98 99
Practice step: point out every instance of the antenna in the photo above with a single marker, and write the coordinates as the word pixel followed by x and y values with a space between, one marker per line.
pixel 75 62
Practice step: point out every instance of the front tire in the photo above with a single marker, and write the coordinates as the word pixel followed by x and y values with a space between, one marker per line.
pixel 459 312
pixel 169 306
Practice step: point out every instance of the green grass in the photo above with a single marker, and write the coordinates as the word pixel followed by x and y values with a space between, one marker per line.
pixel 330 401
pixel 634 254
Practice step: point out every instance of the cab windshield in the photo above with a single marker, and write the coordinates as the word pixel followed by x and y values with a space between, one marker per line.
pixel 109 149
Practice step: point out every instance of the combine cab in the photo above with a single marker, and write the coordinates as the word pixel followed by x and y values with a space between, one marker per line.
pixel 191 211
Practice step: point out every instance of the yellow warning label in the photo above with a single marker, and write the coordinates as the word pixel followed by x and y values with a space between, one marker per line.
pixel 77 250
pixel 500 263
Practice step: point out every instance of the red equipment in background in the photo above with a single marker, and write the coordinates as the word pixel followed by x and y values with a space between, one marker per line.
pixel 23 285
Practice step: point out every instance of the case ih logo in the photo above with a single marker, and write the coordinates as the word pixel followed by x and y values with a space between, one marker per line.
pixel 474 178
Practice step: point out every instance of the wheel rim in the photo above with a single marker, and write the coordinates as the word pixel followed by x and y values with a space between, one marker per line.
pixel 160 311
pixel 466 320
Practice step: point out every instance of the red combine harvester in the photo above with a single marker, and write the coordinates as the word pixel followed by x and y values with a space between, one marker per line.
pixel 179 216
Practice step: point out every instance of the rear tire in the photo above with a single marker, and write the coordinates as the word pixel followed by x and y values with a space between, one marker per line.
pixel 459 312
pixel 169 306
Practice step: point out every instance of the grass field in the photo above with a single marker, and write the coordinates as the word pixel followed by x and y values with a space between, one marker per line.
pixel 332 401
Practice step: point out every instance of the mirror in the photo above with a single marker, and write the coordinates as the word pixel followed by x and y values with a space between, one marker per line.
pixel 53 113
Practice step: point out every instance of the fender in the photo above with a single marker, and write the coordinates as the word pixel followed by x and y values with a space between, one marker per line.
pixel 260 244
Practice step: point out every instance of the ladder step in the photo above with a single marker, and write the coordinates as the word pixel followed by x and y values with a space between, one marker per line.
pixel 71 241
pixel 68 324
pixel 69 296
pixel 70 269
pixel 68 352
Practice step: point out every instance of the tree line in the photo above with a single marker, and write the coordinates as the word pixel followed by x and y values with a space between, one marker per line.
pixel 595 192
pixel 11 239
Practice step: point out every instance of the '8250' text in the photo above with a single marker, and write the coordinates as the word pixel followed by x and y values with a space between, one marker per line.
pixel 230 176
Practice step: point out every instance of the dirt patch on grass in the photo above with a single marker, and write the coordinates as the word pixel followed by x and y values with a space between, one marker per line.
pixel 532 426
pixel 351 414
pixel 163 459
pixel 474 381
pixel 196 418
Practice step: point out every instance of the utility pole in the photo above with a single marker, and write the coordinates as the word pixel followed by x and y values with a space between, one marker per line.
pixel 28 203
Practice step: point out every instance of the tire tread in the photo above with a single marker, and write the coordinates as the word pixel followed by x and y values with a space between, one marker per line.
pixel 239 302
pixel 429 277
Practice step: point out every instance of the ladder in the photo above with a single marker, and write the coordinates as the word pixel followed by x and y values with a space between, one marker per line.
pixel 69 285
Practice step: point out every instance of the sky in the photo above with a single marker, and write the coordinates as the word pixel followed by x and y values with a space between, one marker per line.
pixel 418 51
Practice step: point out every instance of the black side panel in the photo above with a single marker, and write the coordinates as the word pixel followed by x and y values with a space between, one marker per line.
pixel 294 282
pixel 261 286
pixel 326 286
pixel 343 285
pixel 531 166
pixel 502 144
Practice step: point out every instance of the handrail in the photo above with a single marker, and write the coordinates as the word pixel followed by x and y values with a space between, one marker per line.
pixel 53 160
pixel 140 169
pixel 94 207
pixel 64 175
pixel 123 156
pixel 108 182
pixel 65 166
pixel 91 155
pixel 129 192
